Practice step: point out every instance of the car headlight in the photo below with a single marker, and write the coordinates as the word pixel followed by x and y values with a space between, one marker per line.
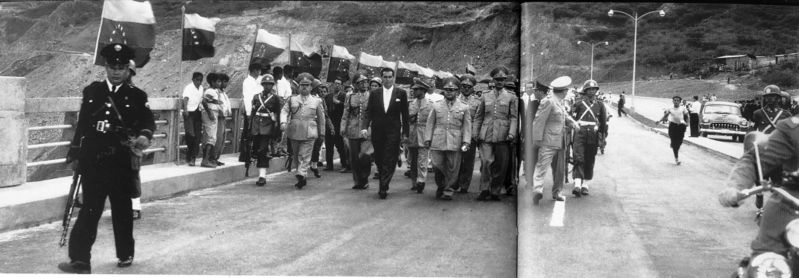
pixel 744 123
pixel 769 264
pixel 792 232
pixel 705 120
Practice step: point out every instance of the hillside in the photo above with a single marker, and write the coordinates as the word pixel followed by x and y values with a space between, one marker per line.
pixel 676 43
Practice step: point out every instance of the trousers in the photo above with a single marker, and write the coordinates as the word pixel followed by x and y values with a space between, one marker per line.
pixel 495 158
pixel 446 165
pixel 301 156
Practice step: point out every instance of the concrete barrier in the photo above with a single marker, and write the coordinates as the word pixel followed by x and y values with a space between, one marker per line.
pixel 14 137
pixel 44 201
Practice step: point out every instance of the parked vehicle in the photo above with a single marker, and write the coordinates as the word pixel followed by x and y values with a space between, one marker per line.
pixel 723 118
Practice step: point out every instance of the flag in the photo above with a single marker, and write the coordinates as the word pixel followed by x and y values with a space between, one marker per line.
pixel 427 72
pixel 198 37
pixel 339 66
pixel 369 64
pixel 440 75
pixel 304 59
pixel 127 22
pixel 270 48
pixel 470 69
pixel 406 72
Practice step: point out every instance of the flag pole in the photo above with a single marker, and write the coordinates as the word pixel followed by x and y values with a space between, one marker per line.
pixel 254 40
pixel 99 30
pixel 177 94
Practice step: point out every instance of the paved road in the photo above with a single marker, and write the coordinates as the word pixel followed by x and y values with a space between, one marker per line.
pixel 646 216
pixel 325 229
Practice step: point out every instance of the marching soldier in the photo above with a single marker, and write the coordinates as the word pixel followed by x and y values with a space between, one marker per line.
pixel 766 118
pixel 354 107
pixel 115 125
pixel 591 116
pixel 303 120
pixel 448 135
pixel 496 126
pixel 470 98
pixel 418 110
pixel 265 109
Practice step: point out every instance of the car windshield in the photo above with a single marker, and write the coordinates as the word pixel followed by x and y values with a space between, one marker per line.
pixel 722 109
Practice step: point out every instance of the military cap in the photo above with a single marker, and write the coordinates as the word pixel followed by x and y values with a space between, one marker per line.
pixel 451 83
pixel 359 78
pixel 348 86
pixel 468 79
pixel 499 72
pixel 268 78
pixel 304 78
pixel 561 83
pixel 771 90
pixel 117 54
pixel 377 79
pixel 510 83
pixel 316 83
pixel 541 87
pixel 418 83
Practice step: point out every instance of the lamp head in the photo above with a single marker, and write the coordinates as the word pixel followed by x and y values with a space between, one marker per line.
pixel 606 43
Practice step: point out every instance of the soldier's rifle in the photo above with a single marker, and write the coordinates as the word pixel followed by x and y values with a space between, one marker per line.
pixel 72 203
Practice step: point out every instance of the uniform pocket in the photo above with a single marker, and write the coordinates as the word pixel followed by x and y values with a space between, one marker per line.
pixel 312 130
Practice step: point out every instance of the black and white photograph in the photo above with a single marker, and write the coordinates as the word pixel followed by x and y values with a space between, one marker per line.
pixel 399 139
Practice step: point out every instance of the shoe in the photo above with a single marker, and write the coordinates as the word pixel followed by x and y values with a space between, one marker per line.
pixel 328 168
pixel 576 191
pixel 483 195
pixel 219 163
pixel 463 190
pixel 320 164
pixel 345 170
pixel 537 198
pixel 677 161
pixel 439 192
pixel 126 262
pixel 558 197
pixel 208 149
pixel 407 173
pixel 261 182
pixel 300 182
pixel 446 198
pixel 77 267
pixel 584 191
pixel 136 214
pixel 357 186
pixel 495 198
pixel 419 187
pixel 316 173
pixel 191 163
pixel 382 195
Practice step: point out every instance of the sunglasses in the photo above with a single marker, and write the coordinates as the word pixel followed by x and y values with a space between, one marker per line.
pixel 500 79
pixel 467 86
pixel 450 89
pixel 387 77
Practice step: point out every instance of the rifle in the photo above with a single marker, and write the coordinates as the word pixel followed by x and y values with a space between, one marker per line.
pixel 245 147
pixel 72 202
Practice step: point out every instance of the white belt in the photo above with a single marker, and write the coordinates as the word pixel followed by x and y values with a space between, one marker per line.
pixel 259 114
pixel 586 123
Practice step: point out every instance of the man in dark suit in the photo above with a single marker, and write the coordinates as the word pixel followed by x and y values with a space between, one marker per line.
pixel 387 112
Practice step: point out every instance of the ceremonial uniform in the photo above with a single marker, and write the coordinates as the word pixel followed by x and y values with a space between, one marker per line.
pixel 354 107
pixel 549 139
pixel 495 125
pixel 305 120
pixel 592 117
pixel 418 154
pixel 448 133
pixel 467 162
pixel 115 125
pixel 265 112
pixel 765 119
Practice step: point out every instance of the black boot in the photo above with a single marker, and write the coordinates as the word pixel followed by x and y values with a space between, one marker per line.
pixel 208 151
pixel 300 181
pixel 419 187
pixel 75 267
pixel 316 172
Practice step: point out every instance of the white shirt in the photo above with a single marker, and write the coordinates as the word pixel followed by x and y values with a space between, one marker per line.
pixel 676 114
pixel 283 88
pixel 195 95
pixel 696 106
pixel 111 86
pixel 225 107
pixel 387 97
pixel 249 88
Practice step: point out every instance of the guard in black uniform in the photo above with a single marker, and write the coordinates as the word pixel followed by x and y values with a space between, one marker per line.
pixel 115 125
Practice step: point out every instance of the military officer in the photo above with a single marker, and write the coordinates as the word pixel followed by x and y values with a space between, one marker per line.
pixel 418 110
pixel 471 99
pixel 765 119
pixel 319 90
pixel 495 126
pixel 354 107
pixel 303 120
pixel 115 125
pixel 265 111
pixel 448 134
pixel 591 115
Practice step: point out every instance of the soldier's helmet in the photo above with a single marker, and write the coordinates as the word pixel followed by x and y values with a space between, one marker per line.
pixel 451 83
pixel 771 90
pixel 376 80
pixel 117 54
pixel 359 78
pixel 268 78
pixel 316 83
pixel 785 94
pixel 590 83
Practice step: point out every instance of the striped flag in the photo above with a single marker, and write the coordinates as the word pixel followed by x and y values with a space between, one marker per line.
pixel 339 66
pixel 305 59
pixel 406 72
pixel 198 37
pixel 429 73
pixel 270 48
pixel 369 64
pixel 127 22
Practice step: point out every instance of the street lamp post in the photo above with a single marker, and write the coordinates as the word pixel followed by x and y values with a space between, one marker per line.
pixel 635 18
pixel 592 55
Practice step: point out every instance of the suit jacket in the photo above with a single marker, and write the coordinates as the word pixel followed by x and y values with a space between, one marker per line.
pixel 393 121
pixel 448 127
pixel 497 117
pixel 549 123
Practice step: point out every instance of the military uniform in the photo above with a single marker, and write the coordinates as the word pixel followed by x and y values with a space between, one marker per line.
pixel 115 125
pixel 549 139
pixel 467 158
pixel 265 113
pixel 305 122
pixel 418 154
pixel 495 120
pixel 592 118
pixel 765 119
pixel 448 133
pixel 354 107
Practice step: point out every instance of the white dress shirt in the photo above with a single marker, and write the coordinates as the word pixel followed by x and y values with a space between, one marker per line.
pixel 283 88
pixel 195 95
pixel 249 88
pixel 111 87
pixel 695 107
pixel 387 97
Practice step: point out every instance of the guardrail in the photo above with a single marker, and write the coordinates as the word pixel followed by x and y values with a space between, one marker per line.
pixel 167 139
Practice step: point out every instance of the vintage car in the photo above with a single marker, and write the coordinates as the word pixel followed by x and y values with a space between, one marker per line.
pixel 723 118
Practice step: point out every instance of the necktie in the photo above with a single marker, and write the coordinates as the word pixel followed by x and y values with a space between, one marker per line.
pixel 113 88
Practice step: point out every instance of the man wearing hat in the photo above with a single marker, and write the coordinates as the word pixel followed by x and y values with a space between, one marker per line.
pixel 263 128
pixel 512 177
pixel 115 125
pixel 350 126
pixel 495 127
pixel 448 135
pixel 319 90
pixel 418 110
pixel 765 119
pixel 549 139
pixel 303 120
pixel 472 100
pixel 591 115
pixel 334 103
